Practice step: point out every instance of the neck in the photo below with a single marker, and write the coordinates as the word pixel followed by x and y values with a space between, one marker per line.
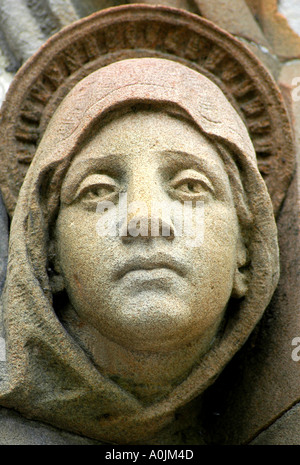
pixel 148 376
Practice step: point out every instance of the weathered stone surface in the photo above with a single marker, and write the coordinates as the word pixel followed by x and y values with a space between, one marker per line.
pixel 22 32
pixel 283 432
pixel 26 24
pixel 284 41
pixel 235 18
pixel 3 243
pixel 16 430
pixel 64 11
pixel 5 77
pixel 87 7
pixel 290 9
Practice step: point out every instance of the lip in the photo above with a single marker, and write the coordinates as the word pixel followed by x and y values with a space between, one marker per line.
pixel 160 261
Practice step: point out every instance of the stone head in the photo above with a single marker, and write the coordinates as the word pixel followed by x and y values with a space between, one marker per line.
pixel 122 289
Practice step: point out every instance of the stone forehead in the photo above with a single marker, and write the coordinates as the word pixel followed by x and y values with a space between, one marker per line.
pixel 146 131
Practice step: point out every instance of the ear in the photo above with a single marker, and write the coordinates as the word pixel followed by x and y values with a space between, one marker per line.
pixel 240 279
pixel 55 277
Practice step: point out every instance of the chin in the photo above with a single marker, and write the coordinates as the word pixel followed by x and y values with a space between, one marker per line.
pixel 151 323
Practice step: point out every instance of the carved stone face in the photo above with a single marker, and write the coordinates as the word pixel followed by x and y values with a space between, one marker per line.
pixel 148 293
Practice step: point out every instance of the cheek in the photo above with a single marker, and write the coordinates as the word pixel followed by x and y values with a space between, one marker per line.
pixel 214 262
pixel 213 268
pixel 83 256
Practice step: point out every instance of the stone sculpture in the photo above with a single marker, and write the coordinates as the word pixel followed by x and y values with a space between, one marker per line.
pixel 116 337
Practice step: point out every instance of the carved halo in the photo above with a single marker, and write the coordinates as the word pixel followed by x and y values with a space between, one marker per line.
pixel 143 31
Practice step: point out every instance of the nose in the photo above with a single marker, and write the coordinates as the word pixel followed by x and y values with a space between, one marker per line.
pixel 145 213
pixel 145 227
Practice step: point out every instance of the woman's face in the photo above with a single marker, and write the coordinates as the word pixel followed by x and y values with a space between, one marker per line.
pixel 157 288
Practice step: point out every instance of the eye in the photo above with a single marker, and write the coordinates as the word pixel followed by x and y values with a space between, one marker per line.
pixel 191 184
pixel 97 187
pixel 96 192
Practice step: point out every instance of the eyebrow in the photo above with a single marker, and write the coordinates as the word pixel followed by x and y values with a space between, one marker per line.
pixel 183 155
pixel 205 164
pixel 113 162
pixel 76 174
pixel 201 164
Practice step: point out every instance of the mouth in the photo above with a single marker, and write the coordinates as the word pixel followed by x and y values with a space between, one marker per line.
pixel 158 262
